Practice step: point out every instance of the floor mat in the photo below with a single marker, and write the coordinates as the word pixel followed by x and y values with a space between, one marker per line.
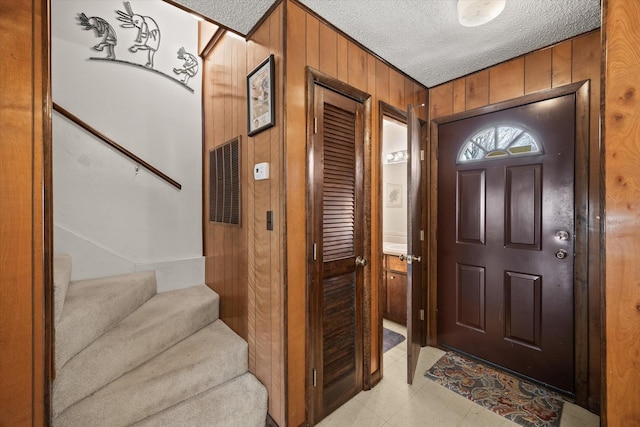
pixel 391 339
pixel 518 400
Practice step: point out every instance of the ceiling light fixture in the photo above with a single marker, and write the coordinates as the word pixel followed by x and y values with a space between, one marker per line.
pixel 472 13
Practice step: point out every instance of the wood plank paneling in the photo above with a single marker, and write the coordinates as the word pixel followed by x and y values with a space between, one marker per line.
pixel 621 116
pixel 25 116
pixel 396 90
pixel 328 50
pixel 441 101
pixel 357 66
pixel 568 62
pixel 561 64
pixel 537 71
pixel 343 58
pixel 459 95
pixel 477 90
pixel 313 42
pixel 296 178
pixel 506 80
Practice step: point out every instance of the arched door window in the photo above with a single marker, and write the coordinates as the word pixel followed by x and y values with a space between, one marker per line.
pixel 498 142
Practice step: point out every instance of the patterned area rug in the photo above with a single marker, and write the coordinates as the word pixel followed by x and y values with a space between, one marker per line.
pixel 520 401
pixel 390 339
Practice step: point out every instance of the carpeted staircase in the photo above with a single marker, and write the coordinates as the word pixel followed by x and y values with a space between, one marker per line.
pixel 126 355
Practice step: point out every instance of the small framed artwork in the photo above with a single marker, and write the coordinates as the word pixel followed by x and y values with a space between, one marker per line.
pixel 393 196
pixel 260 97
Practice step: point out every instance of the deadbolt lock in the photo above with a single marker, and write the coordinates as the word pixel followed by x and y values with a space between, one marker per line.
pixel 561 254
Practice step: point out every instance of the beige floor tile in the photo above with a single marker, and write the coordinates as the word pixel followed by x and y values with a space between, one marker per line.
pixel 354 414
pixel 394 403
pixel 482 417
pixel 385 398
pixel 430 408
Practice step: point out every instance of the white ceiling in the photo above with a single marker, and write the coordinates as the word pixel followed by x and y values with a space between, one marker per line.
pixel 423 37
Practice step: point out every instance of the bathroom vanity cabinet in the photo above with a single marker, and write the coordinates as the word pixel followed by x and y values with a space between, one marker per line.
pixel 394 289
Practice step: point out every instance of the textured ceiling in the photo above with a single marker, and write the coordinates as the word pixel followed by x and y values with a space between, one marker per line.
pixel 423 37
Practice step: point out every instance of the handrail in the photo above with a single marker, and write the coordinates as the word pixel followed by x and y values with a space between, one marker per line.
pixel 115 145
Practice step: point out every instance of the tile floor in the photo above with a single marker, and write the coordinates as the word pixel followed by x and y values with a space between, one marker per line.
pixel 424 403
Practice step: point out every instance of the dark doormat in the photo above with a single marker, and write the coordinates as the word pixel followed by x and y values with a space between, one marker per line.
pixel 518 400
pixel 391 339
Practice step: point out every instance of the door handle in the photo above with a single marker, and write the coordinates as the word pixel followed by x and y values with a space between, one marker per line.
pixel 361 262
pixel 561 254
pixel 412 258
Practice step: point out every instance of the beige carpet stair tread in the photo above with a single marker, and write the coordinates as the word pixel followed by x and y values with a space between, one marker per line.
pixel 161 322
pixel 210 357
pixel 241 402
pixel 94 306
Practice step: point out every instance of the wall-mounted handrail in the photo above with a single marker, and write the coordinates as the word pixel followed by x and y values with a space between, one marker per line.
pixel 115 145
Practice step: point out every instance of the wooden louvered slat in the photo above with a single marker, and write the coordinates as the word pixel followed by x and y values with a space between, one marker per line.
pixel 339 174
pixel 339 325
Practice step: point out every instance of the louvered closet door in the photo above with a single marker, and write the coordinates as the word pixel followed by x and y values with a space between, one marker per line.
pixel 338 227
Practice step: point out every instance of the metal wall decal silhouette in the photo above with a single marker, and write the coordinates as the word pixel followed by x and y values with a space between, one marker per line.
pixel 147 40
pixel 190 66
pixel 102 29
pixel 148 32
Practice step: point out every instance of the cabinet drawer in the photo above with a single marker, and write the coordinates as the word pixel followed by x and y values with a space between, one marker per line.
pixel 394 263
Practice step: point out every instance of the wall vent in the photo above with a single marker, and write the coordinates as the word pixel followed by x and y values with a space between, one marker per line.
pixel 224 183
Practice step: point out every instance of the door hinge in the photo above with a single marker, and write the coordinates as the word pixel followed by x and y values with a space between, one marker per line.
pixel 315 125
pixel 314 378
pixel 315 252
pixel 421 154
pixel 421 314
pixel 422 235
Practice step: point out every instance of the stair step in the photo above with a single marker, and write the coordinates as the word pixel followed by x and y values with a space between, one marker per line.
pixel 94 306
pixel 161 322
pixel 206 359
pixel 241 402
pixel 61 278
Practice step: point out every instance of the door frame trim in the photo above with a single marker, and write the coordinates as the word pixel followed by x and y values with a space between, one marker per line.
pixel 582 172
pixel 315 77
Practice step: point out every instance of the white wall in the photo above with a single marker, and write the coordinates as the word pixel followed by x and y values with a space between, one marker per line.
pixel 111 216
pixel 394 218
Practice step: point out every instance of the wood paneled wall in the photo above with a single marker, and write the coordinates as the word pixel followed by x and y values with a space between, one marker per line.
pixel 25 120
pixel 313 43
pixel 572 61
pixel 621 140
pixel 245 265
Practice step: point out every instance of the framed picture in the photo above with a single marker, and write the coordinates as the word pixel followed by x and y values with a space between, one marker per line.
pixel 260 96
pixel 393 196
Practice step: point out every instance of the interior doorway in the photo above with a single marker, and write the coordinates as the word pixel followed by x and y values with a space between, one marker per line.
pixel 402 159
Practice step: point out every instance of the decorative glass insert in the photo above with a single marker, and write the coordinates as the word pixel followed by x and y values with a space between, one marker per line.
pixel 498 142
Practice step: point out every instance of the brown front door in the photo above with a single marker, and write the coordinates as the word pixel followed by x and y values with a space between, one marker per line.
pixel 506 236
pixel 336 222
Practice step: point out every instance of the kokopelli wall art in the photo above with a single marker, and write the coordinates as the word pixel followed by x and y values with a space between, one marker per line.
pixel 146 45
